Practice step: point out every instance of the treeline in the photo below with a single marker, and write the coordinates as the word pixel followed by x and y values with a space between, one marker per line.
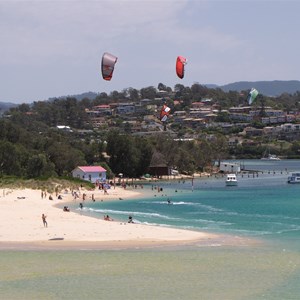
pixel 28 153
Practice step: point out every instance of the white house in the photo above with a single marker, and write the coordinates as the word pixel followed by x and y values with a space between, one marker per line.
pixel 90 173
pixel 228 167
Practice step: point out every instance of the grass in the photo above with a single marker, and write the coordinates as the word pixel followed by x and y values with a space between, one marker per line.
pixel 49 185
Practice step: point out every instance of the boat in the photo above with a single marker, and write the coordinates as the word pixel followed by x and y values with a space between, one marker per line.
pixel 231 180
pixel 294 178
pixel 268 156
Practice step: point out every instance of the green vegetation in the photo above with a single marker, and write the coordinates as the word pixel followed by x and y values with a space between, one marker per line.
pixel 31 145
pixel 49 185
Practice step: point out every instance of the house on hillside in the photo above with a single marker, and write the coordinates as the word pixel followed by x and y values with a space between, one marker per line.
pixel 64 128
pixel 90 173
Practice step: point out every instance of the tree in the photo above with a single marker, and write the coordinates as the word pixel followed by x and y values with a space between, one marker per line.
pixel 134 94
pixel 128 155
pixel 13 158
pixel 145 154
pixel 199 91
pixel 122 154
pixel 219 147
pixel 178 88
pixel 185 162
pixel 201 153
pixel 148 92
pixel 39 166
pixel 65 158
pixel 161 87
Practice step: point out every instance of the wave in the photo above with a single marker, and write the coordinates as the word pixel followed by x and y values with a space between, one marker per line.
pixel 259 216
pixel 134 213
pixel 222 212
pixel 287 230
pixel 224 223
pixel 194 204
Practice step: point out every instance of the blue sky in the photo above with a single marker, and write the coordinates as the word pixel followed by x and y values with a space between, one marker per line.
pixel 54 48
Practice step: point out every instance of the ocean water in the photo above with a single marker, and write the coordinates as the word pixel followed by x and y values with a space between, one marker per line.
pixel 262 207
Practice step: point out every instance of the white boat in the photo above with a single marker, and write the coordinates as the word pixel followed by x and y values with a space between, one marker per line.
pixel 231 180
pixel 268 156
pixel 271 157
pixel 294 178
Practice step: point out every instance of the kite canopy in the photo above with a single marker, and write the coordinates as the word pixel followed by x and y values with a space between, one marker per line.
pixel 252 95
pixel 107 65
pixel 180 63
pixel 164 113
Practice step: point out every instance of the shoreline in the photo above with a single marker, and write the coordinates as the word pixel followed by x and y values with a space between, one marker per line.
pixel 62 245
pixel 22 227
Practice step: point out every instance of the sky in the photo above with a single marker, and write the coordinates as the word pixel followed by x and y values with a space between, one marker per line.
pixel 54 48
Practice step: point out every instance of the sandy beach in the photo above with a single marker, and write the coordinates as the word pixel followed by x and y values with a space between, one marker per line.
pixel 22 225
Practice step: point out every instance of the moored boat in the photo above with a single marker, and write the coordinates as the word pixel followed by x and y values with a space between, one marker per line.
pixel 268 156
pixel 231 180
pixel 271 157
pixel 294 178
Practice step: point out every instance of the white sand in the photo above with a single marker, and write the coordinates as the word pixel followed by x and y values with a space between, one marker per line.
pixel 21 222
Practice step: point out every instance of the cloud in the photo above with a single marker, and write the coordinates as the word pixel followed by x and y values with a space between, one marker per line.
pixel 59 44
pixel 51 29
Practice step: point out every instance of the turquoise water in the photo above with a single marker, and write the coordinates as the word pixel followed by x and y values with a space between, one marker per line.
pixel 263 207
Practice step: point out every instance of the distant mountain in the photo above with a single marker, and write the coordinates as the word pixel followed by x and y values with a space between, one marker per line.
pixel 267 88
pixel 4 106
pixel 212 86
pixel 89 95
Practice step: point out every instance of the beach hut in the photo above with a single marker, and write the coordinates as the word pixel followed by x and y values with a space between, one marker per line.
pixel 90 173
pixel 228 167
pixel 158 166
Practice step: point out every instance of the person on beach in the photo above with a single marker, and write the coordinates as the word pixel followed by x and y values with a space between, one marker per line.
pixel 130 220
pixel 108 218
pixel 80 205
pixel 44 220
pixel 66 208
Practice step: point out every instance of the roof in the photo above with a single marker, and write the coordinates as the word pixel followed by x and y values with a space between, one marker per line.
pixel 92 169
pixel 158 160
pixel 102 106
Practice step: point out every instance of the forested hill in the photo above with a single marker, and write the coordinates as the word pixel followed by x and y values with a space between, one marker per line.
pixel 4 106
pixel 267 88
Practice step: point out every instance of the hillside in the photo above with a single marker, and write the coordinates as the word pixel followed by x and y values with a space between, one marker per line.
pixel 4 106
pixel 268 88
pixel 88 95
